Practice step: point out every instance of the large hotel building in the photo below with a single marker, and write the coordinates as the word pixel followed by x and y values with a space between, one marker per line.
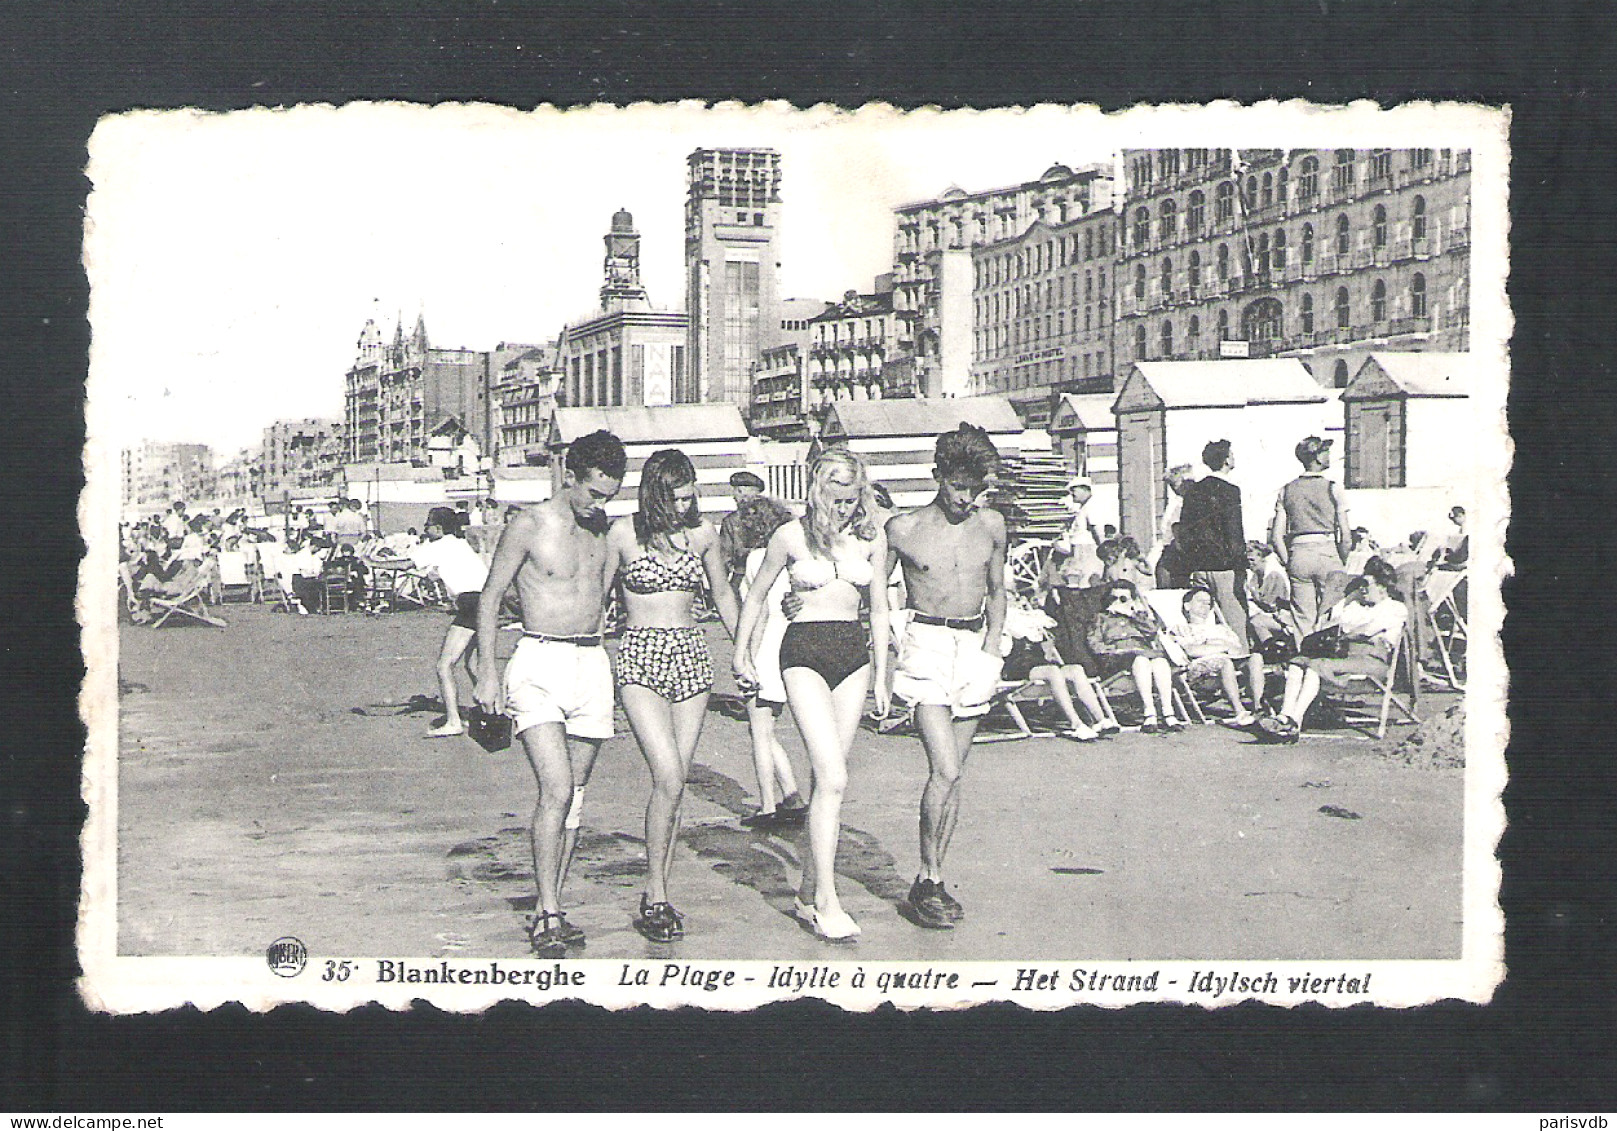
pixel 1323 255
pixel 935 271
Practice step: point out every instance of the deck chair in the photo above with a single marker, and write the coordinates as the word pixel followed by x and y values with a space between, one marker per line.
pixel 1169 605
pixel 381 594
pixel 1379 690
pixel 271 591
pixel 1442 586
pixel 236 581
pixel 1074 611
pixel 334 593
pixel 190 604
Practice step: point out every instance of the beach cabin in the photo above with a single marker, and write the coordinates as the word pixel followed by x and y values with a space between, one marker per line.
pixel 896 438
pixel 1408 425
pixel 1083 432
pixel 713 435
pixel 1167 411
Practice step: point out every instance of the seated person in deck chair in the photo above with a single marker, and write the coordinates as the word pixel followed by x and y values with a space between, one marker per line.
pixel 1213 649
pixel 1031 655
pixel 1124 639
pixel 1372 623
pixel 170 580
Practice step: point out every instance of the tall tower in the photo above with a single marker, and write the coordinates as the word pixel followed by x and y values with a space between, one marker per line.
pixel 621 289
pixel 732 267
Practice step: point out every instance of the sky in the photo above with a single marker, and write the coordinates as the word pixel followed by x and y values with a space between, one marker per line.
pixel 234 258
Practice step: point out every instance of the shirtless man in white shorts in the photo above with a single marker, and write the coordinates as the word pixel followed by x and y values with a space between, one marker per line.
pixel 558 684
pixel 953 554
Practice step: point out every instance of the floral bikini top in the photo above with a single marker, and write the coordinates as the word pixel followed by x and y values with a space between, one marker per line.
pixel 651 574
pixel 816 573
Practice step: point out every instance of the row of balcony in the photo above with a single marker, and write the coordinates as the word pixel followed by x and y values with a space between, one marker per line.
pixel 1459 235
pixel 831 349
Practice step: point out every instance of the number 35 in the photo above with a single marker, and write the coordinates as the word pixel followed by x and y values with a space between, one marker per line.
pixel 337 971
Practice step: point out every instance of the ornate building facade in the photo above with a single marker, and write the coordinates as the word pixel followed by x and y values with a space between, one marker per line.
pixel 524 397
pixel 780 386
pixel 400 393
pixel 1323 255
pixel 933 264
pixel 849 346
pixel 1042 314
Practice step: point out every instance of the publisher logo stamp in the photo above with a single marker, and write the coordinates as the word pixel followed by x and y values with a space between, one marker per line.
pixel 287 957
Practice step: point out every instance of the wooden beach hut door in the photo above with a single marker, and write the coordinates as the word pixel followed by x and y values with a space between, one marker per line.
pixel 1141 463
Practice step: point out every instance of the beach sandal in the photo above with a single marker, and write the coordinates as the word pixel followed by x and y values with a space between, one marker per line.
pixel 545 936
pixel 659 922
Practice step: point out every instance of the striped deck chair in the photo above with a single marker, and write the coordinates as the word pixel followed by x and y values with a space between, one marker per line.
pixel 190 604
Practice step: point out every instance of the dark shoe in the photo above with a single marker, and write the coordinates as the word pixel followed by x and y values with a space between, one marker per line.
pixel 1276 729
pixel 951 905
pixel 659 922
pixel 545 937
pixel 790 816
pixel 1150 726
pixel 927 900
pixel 571 935
pixel 761 820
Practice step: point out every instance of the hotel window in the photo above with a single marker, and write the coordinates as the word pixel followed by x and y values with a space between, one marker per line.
pixel 1086 317
pixel 1193 333
pixel 1223 262
pixel 1167 278
pixel 1378 301
pixel 1194 271
pixel 1343 312
pixel 1308 243
pixel 1344 238
pixel 1308 179
pixel 1167 339
pixel 617 375
pixel 1418 228
pixel 1420 158
pixel 1281 184
pixel 1089 290
pixel 1223 325
pixel 1167 221
pixel 1139 283
pixel 1342 172
pixel 1379 227
pixel 1089 243
pixel 1381 165
pixel 1225 205
pixel 1100 283
pixel 1142 228
pixel 1280 249
pixel 1417 296
pixel 1196 213
pixel 1251 200
pixel 1139 342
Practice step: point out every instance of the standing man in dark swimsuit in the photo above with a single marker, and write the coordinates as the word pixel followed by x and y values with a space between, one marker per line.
pixel 953 554
pixel 558 684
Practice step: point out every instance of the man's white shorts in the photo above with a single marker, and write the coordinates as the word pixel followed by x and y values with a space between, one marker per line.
pixel 947 667
pixel 551 682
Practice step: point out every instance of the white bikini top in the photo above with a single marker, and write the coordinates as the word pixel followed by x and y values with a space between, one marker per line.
pixel 816 573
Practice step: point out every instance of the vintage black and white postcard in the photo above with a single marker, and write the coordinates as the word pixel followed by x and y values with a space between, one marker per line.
pixel 714 555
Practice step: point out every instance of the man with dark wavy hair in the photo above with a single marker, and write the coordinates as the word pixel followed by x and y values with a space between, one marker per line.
pixel 953 554
pixel 558 684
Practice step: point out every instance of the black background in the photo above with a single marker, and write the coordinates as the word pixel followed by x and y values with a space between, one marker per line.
pixel 1545 1044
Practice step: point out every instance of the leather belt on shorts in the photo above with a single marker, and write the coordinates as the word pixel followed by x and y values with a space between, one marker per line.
pixel 579 641
pixel 969 624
